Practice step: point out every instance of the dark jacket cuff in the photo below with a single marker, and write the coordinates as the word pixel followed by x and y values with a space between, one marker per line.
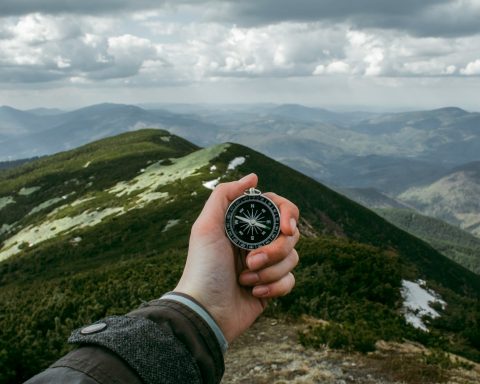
pixel 200 310
pixel 192 331
pixel 164 341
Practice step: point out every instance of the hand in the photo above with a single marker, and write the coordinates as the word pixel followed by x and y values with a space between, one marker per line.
pixel 212 275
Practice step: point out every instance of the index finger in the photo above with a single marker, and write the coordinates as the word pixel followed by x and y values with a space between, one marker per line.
pixel 289 213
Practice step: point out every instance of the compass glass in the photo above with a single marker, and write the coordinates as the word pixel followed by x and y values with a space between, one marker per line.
pixel 252 221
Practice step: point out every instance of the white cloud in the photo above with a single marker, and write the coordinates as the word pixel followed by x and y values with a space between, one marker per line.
pixel 37 28
pixel 45 48
pixel 430 67
pixel 187 43
pixel 334 68
pixel 128 53
pixel 63 62
pixel 283 50
pixel 472 68
pixel 366 51
pixel 145 49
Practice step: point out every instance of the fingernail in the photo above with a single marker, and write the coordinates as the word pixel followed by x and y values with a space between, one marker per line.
pixel 260 291
pixel 250 278
pixel 293 225
pixel 256 261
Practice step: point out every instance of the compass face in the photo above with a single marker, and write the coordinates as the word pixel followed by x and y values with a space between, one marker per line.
pixel 252 221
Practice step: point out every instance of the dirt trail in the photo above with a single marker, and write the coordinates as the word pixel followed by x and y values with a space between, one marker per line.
pixel 269 353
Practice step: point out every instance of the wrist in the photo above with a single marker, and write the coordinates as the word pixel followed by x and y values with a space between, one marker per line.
pixel 194 305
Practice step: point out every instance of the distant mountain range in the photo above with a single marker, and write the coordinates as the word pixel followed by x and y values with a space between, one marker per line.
pixel 25 134
pixel 372 198
pixel 453 197
pixel 94 231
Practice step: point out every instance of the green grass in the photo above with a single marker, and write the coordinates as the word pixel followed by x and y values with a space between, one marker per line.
pixel 460 246
pixel 109 159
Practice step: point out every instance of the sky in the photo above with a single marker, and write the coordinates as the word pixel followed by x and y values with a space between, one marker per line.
pixel 339 54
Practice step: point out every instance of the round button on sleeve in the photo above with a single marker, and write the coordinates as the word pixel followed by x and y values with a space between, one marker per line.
pixel 94 328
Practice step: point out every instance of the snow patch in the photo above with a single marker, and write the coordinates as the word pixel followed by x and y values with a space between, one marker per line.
pixel 49 203
pixel 213 168
pixel 44 205
pixel 4 201
pixel 72 181
pixel 235 163
pixel 170 224
pixel 28 191
pixel 165 138
pixel 211 184
pixel 87 164
pixel 81 201
pixel 33 235
pixel 5 228
pixel 417 301
pixel 146 198
pixel 157 175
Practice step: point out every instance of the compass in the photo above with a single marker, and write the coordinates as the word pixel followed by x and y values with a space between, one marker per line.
pixel 252 220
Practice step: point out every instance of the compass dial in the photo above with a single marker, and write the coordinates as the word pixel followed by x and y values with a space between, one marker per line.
pixel 252 221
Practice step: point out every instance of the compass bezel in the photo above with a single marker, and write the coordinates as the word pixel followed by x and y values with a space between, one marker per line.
pixel 236 205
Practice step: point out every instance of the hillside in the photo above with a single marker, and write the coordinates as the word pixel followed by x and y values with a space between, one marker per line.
pixel 458 245
pixel 453 197
pixel 455 243
pixel 96 230
pixel 371 198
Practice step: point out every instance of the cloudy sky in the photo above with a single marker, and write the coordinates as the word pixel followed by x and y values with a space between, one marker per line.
pixel 372 54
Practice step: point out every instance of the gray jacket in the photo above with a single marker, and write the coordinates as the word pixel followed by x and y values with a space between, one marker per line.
pixel 170 340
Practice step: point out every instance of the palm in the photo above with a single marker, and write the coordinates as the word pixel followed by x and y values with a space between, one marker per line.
pixel 232 303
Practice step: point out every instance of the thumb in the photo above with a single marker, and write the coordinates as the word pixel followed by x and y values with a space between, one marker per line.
pixel 225 193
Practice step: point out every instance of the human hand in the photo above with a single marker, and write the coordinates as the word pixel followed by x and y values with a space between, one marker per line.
pixel 212 275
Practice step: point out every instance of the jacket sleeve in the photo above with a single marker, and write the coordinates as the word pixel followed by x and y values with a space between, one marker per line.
pixel 170 340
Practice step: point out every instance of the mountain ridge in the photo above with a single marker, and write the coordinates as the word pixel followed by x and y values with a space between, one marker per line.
pixel 452 197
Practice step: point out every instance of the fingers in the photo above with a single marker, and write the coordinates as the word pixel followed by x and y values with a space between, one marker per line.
pixel 278 288
pixel 270 266
pixel 289 213
pixel 272 273
pixel 272 253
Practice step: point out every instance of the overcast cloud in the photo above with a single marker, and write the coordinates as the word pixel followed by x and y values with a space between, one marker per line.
pixel 140 50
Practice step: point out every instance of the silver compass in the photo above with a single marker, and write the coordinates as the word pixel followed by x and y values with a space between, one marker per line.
pixel 252 220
